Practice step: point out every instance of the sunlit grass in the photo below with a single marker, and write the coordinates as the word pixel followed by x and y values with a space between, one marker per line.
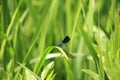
pixel 30 31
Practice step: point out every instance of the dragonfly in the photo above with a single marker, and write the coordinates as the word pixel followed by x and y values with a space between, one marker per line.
pixel 64 41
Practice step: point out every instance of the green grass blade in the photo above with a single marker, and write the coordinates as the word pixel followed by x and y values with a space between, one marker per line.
pixel 75 23
pixel 90 47
pixel 29 71
pixel 8 31
pixel 92 74
pixel 46 70
pixel 38 65
pixel 111 15
pixel 51 76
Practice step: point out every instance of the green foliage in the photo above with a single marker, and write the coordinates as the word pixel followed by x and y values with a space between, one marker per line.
pixel 92 74
pixel 31 29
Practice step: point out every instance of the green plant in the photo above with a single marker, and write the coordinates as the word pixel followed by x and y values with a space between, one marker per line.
pixel 31 29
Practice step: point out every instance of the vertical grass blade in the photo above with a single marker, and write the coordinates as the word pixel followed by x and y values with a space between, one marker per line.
pixel 90 47
pixel 38 65
pixel 8 31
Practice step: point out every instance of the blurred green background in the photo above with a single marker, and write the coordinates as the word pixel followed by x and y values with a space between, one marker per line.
pixel 30 31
